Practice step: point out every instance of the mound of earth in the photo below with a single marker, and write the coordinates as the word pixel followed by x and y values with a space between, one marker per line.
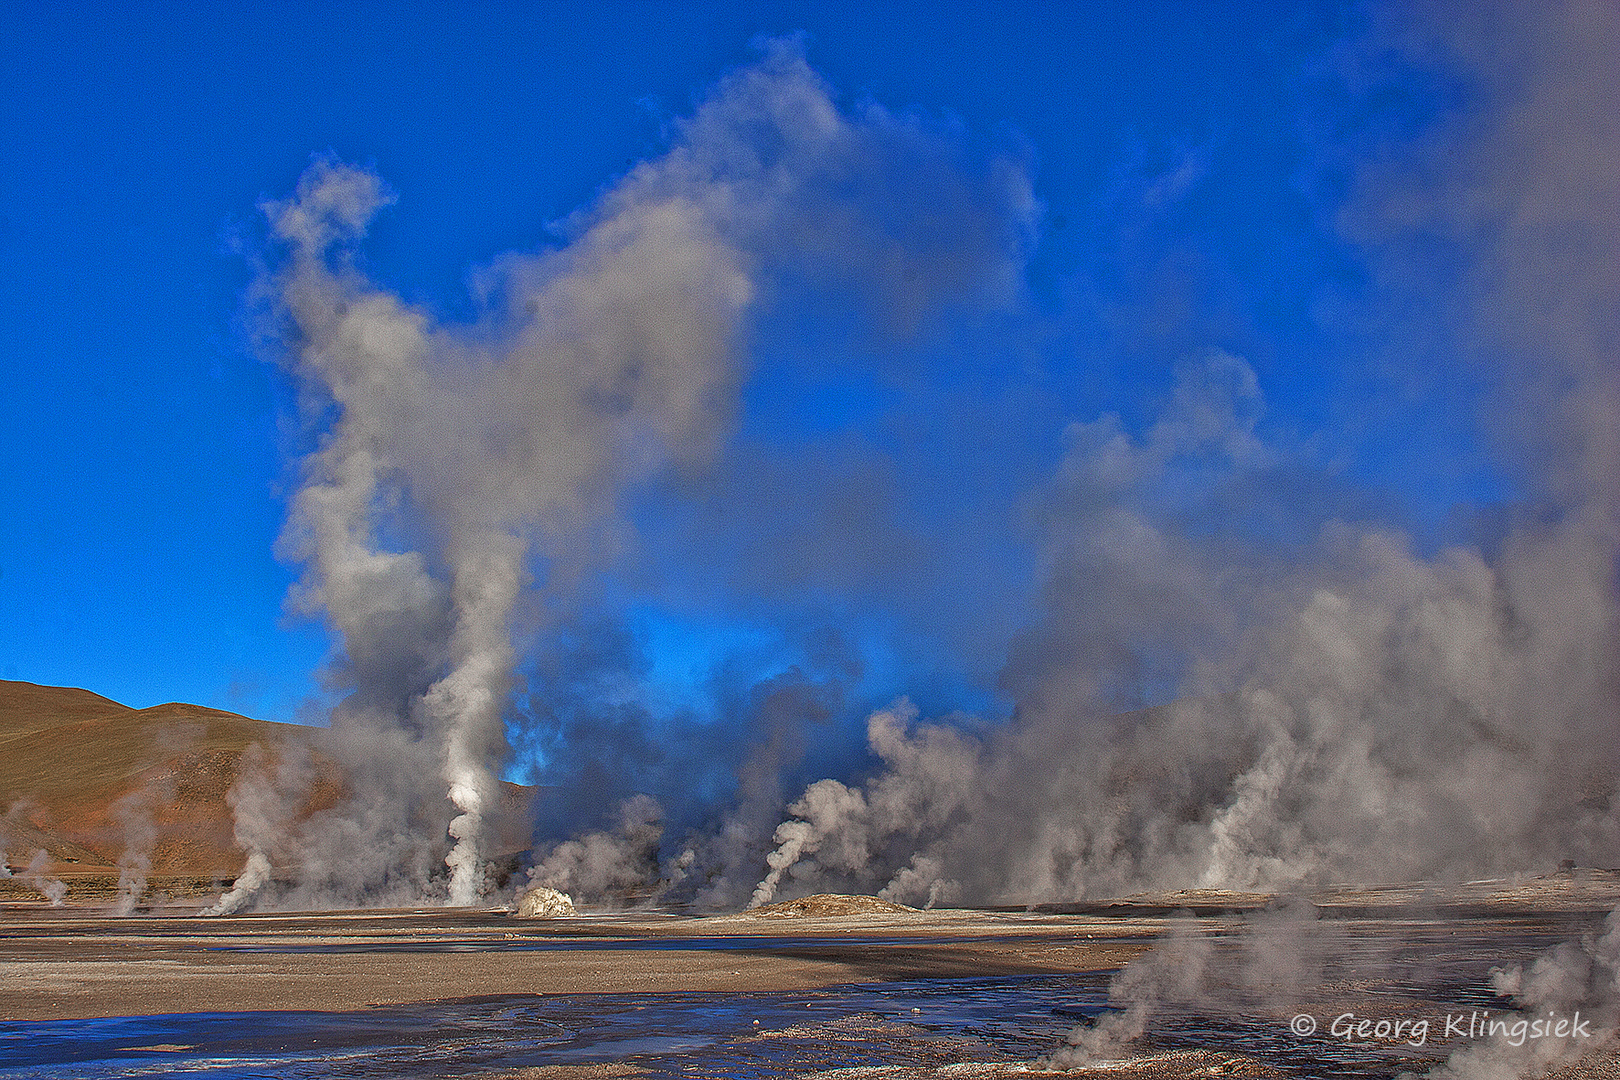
pixel 827 905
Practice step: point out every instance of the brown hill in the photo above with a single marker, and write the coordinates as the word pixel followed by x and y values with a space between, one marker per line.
pixel 84 779
pixel 86 782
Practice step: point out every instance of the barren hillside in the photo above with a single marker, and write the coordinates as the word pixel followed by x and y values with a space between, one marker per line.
pixel 86 779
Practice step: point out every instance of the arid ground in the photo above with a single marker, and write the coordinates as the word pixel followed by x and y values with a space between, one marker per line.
pixel 883 993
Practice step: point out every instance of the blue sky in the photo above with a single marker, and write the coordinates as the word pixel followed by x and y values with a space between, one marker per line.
pixel 1192 165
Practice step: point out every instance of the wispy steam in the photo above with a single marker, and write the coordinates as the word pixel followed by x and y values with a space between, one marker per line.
pixel 1173 974
pixel 621 865
pixel 134 813
pixel 1574 979
pixel 265 800
pixel 42 881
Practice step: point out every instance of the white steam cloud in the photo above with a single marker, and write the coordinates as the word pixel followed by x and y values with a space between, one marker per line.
pixel 1172 974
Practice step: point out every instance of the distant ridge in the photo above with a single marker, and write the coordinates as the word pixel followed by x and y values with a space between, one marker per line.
pixel 23 703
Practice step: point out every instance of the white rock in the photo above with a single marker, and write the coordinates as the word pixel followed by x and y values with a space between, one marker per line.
pixel 544 903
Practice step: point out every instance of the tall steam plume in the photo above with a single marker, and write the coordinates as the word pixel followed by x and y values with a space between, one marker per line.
pixel 461 482
pixel 486 454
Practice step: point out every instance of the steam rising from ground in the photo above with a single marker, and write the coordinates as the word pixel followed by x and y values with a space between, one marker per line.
pixel 464 480
pixel 1334 698
pixel 1280 961
pixel 622 863
pixel 1172 974
pixel 39 878
pixel 134 812
pixel 1575 977
pixel 618 359
pixel 1348 707
pixel 36 872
